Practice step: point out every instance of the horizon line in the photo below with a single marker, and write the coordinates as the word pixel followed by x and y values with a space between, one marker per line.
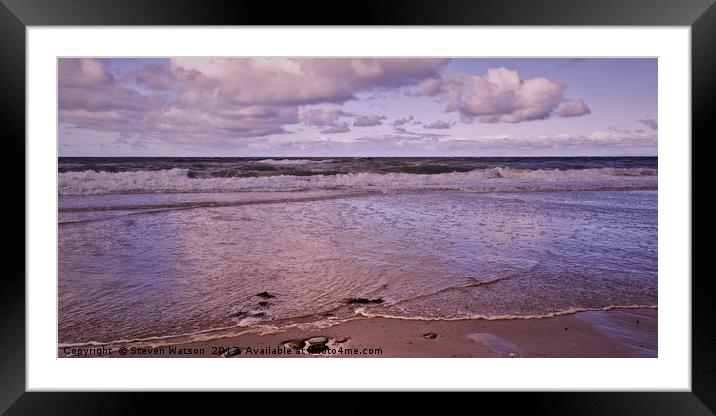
pixel 327 156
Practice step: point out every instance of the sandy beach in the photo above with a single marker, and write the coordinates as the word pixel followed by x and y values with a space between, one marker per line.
pixel 613 333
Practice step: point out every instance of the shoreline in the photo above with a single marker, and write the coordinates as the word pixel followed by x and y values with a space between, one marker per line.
pixel 612 333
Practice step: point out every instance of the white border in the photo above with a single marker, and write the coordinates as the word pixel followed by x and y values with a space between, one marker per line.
pixel 671 371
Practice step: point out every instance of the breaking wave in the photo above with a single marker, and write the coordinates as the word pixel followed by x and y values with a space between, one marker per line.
pixel 178 180
pixel 290 162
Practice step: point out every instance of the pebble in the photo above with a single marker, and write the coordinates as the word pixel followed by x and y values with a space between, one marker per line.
pixel 317 348
pixel 295 344
pixel 318 340
pixel 232 352
pixel 430 335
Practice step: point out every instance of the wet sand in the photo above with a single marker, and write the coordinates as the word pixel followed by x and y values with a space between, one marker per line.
pixel 613 333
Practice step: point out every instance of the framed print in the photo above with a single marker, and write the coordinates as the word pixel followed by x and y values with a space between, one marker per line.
pixel 427 193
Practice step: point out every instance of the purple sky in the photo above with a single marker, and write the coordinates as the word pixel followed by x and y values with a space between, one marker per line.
pixel 357 107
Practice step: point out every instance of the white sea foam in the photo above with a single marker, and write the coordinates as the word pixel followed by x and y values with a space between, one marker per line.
pixel 290 162
pixel 554 314
pixel 479 180
pixel 360 313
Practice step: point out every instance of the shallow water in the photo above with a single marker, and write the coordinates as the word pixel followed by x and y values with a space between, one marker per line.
pixel 140 265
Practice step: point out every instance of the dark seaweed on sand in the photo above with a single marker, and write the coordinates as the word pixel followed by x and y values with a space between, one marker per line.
pixel 265 295
pixel 363 301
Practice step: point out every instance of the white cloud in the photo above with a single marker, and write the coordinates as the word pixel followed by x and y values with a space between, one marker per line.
pixel 501 96
pixel 192 100
pixel 573 108
pixel 296 81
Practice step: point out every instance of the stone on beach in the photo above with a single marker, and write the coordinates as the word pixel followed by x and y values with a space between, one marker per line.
pixel 317 340
pixel 295 344
pixel 232 351
pixel 316 348
pixel 430 335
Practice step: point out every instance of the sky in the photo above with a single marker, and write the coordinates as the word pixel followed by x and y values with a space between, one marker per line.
pixel 357 107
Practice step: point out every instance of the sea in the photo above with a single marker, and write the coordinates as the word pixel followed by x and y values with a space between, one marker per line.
pixel 170 250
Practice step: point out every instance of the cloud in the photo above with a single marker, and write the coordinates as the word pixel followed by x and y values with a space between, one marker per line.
pixel 649 122
pixel 249 121
pixel 501 96
pixel 591 143
pixel 214 101
pixel 296 81
pixel 432 86
pixel 87 85
pixel 600 142
pixel 574 108
pixel 368 121
pixel 83 73
pixel 341 128
pixel 402 121
pixel 255 105
pixel 90 97
pixel 439 125
pixel 153 76
pixel 325 116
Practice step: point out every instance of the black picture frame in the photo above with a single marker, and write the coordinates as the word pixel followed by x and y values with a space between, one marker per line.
pixel 16 15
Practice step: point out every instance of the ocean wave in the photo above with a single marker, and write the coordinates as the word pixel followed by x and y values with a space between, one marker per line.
pixel 480 180
pixel 290 162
